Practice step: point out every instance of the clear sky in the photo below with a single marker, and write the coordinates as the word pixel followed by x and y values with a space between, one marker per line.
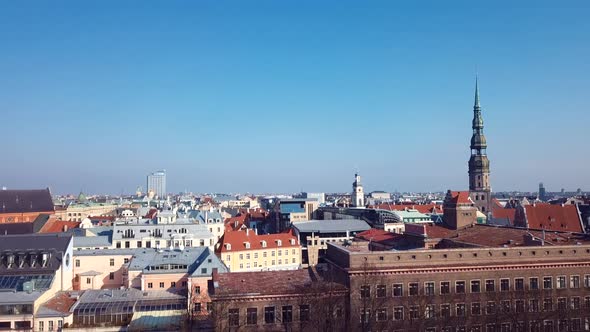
pixel 282 96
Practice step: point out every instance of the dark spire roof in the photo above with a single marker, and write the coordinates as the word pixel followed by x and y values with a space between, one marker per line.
pixel 476 104
pixel 22 201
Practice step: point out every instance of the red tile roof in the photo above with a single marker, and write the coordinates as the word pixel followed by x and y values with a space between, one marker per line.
pixel 61 302
pixel 54 225
pixel 501 213
pixel 377 235
pixel 238 239
pixel 461 197
pixel 553 217
pixel 267 283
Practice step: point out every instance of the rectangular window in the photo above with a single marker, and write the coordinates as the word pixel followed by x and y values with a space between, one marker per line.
pixel 475 286
pixel 575 282
pixel 125 260
pixel 287 314
pixel 414 312
pixel 413 289
pixel 430 311
pixel 150 285
pixel 429 288
pixel 139 244
pixel 587 280
pixel 490 308
pixel 490 285
pixel 505 305
pixel 233 316
pixel 398 313
pixel 547 282
pixel 534 305
pixel 112 262
pixel 365 292
pixel 77 263
pixel 445 310
pixel 519 284
pixel 547 304
pixel 112 276
pixel 252 316
pixel 561 303
pixel 519 306
pixel 162 285
pixel 50 325
pixel 504 285
pixel 475 308
pixel 381 314
pixel 304 312
pixel 398 290
pixel 88 281
pixel 173 284
pixel 381 291
pixel 445 287
pixel 269 315
pixel 460 309
pixel 561 282
pixel 365 316
pixel 533 283
pixel 575 303
pixel 460 287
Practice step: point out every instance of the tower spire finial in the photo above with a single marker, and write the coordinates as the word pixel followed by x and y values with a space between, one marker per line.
pixel 476 104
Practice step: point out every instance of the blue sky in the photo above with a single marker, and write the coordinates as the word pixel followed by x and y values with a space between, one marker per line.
pixel 282 96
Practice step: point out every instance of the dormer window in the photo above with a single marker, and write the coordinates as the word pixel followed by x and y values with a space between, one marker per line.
pixel 279 243
pixel 263 243
pixel 227 246
pixel 247 244
pixel 292 242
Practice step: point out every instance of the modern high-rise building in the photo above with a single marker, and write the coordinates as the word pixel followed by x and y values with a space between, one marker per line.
pixel 156 182
pixel 479 165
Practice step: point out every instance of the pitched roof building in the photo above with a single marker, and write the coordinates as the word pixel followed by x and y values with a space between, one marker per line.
pixel 24 205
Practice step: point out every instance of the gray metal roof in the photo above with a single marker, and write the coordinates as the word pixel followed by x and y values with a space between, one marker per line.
pixel 331 226
pixel 198 261
pixel 167 231
pixel 92 241
pixel 103 252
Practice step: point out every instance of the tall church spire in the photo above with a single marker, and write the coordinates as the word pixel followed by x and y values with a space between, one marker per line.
pixel 479 165
pixel 476 104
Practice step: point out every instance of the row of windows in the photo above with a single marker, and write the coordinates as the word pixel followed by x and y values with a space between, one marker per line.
pixel 148 244
pixel 272 262
pixel 150 285
pixel 478 286
pixel 271 315
pixel 111 262
pixel 490 253
pixel 265 253
pixel 474 309
pixel 575 324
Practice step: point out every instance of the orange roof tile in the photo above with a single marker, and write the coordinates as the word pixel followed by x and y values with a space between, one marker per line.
pixel 553 217
pixel 238 239
pixel 54 225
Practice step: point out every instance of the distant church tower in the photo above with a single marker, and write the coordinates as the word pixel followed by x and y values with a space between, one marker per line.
pixel 358 195
pixel 480 190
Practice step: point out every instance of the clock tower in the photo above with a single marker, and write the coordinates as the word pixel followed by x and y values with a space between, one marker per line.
pixel 480 190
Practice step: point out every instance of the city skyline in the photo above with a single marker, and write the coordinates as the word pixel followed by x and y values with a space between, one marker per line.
pixel 240 99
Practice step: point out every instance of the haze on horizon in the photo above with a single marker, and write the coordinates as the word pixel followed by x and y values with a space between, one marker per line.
pixel 292 95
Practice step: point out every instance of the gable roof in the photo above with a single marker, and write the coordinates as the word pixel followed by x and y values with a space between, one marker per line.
pixel 563 218
pixel 238 239
pixel 23 201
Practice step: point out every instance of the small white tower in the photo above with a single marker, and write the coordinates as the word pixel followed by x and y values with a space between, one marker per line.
pixel 358 195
